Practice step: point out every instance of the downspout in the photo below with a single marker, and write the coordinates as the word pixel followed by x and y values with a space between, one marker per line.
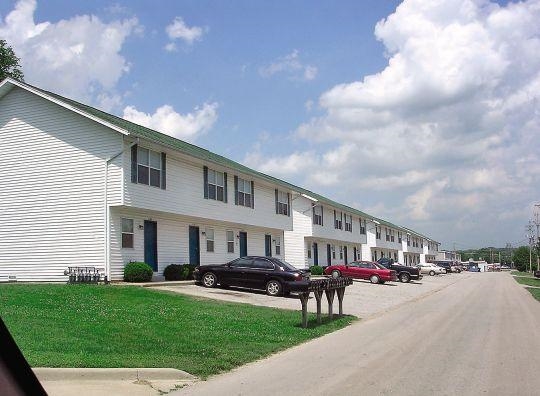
pixel 106 210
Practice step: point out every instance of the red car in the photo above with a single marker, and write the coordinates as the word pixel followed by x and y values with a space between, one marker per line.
pixel 376 273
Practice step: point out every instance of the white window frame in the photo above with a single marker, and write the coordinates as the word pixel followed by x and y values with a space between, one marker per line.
pixel 283 203
pixel 214 188
pixel 348 224
pixel 317 215
pixel 244 192
pixel 210 242
pixel 152 162
pixel 230 241
pixel 278 246
pixel 132 233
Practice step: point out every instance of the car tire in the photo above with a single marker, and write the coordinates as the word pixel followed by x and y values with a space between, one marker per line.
pixel 431 273
pixel 274 288
pixel 404 277
pixel 336 274
pixel 374 279
pixel 209 279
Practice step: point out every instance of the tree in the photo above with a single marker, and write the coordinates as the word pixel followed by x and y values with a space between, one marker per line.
pixel 9 63
pixel 521 258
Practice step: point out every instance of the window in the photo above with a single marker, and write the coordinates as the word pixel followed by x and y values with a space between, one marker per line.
pixel 230 242
pixel 309 252
pixel 242 262
pixel 399 237
pixel 209 239
pixel 263 264
pixel 318 215
pixel 278 246
pixel 333 252
pixel 363 226
pixel 127 233
pixel 378 232
pixel 244 193
pixel 341 252
pixel 148 167
pixel 338 220
pixel 408 240
pixel 282 202
pixel 387 232
pixel 348 223
pixel 215 185
pixel 392 235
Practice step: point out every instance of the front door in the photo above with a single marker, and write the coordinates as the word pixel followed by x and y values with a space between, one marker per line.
pixel 315 254
pixel 243 244
pixel 150 244
pixel 194 246
pixel 267 246
pixel 355 252
pixel 328 255
pixel 345 255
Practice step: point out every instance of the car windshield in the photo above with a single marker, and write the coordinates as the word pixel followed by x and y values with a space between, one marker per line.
pixel 379 266
pixel 286 266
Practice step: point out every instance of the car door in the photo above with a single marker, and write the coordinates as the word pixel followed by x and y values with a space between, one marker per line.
pixel 364 269
pixel 258 274
pixel 349 269
pixel 235 273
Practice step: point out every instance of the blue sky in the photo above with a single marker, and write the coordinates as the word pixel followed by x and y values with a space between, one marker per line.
pixel 424 114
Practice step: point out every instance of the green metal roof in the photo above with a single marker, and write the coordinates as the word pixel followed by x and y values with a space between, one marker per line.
pixel 195 151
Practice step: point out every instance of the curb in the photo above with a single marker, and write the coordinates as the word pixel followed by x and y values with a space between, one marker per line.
pixel 107 374
pixel 152 284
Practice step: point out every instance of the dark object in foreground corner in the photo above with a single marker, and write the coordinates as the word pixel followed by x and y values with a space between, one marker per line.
pixel 537 274
pixel 329 286
pixel 16 376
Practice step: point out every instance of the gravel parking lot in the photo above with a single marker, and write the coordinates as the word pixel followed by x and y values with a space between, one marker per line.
pixel 362 299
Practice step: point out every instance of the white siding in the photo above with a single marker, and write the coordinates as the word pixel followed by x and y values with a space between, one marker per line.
pixel 173 239
pixel 52 172
pixel 185 195
pixel 296 252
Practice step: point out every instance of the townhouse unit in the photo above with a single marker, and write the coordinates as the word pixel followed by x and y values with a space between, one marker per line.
pixel 448 255
pixel 81 187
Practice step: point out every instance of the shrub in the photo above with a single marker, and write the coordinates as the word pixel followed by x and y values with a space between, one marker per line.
pixel 176 272
pixel 316 270
pixel 137 272
pixel 191 268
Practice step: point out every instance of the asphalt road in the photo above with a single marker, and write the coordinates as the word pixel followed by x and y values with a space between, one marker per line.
pixel 479 335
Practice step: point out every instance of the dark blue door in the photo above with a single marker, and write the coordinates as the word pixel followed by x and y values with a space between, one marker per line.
pixel 150 244
pixel 267 245
pixel 328 254
pixel 243 244
pixel 315 254
pixel 345 255
pixel 194 246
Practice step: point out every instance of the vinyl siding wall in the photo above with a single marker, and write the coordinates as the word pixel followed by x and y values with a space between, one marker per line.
pixel 173 239
pixel 51 188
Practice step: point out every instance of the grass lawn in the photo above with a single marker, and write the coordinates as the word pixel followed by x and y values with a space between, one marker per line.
pixel 535 292
pixel 130 326
pixel 528 281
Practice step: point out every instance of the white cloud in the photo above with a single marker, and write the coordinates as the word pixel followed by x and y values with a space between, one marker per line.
pixel 179 30
pixel 79 57
pixel 291 65
pixel 446 135
pixel 182 126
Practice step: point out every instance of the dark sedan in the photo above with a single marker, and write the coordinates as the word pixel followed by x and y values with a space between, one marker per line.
pixel 254 272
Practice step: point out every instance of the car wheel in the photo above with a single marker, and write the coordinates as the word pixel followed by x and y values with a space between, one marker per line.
pixel 273 288
pixel 209 279
pixel 374 279
pixel 431 273
pixel 336 274
pixel 404 277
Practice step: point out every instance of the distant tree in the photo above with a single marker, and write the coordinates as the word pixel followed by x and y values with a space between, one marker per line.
pixel 521 258
pixel 9 63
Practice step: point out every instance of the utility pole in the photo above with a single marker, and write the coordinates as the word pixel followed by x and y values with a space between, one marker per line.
pixel 530 237
pixel 536 222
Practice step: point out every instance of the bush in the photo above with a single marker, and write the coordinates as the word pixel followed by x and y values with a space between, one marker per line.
pixel 191 268
pixel 174 272
pixel 316 270
pixel 137 272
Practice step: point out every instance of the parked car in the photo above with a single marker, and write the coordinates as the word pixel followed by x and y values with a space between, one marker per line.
pixel 368 270
pixel 446 265
pixel 473 268
pixel 254 272
pixel 431 269
pixel 404 273
pixel 537 274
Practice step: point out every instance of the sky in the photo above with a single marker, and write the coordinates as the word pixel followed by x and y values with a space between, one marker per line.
pixel 423 113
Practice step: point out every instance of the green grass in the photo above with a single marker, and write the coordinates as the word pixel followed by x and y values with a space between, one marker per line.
pixel 130 326
pixel 535 292
pixel 520 273
pixel 528 281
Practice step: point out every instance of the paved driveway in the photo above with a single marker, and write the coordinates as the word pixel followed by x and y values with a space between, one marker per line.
pixel 362 299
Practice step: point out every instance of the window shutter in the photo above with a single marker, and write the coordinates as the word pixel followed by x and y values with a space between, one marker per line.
pixel 289 204
pixel 225 187
pixel 341 224
pixel 335 219
pixel 134 149
pixel 277 206
pixel 252 195
pixel 322 216
pixel 163 171
pixel 313 210
pixel 236 190
pixel 351 223
pixel 205 177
